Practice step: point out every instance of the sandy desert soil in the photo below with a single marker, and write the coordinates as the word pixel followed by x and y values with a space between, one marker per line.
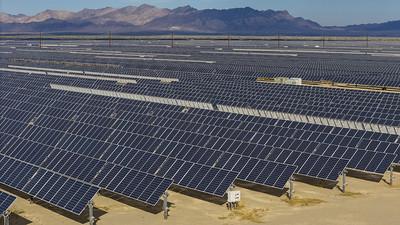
pixel 365 203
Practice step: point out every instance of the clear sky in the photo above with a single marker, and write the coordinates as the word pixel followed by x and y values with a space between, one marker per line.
pixel 325 12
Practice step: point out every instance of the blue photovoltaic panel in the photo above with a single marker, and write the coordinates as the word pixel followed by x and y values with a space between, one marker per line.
pixel 14 173
pixel 70 195
pixel 61 191
pixel 320 167
pixel 198 177
pixel 258 171
pixel 73 165
pixel 6 201
pixel 375 162
pixel 137 185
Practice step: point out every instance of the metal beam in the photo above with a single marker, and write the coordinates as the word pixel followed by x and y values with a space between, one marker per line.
pixel 165 205
pixel 391 175
pixel 291 188
pixel 92 220
pixel 6 216
pixel 344 184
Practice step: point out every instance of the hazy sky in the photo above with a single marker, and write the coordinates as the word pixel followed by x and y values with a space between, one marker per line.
pixel 326 12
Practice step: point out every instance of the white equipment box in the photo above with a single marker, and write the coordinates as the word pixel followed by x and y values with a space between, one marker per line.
pixel 233 196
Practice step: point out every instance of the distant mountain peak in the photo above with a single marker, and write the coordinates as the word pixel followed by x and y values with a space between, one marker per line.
pixel 145 6
pixel 184 9
pixel 130 7
pixel 284 12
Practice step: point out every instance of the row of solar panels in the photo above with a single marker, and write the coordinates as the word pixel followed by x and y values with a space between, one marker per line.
pixel 360 106
pixel 344 69
pixel 240 70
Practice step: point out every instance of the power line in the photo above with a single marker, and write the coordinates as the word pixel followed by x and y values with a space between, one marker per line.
pixel 109 39
pixel 172 39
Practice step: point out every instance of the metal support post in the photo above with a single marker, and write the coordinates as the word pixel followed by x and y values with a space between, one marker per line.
pixel 165 205
pixel 172 39
pixel 109 39
pixel 291 188
pixel 279 41
pixel 6 216
pixel 344 184
pixel 391 178
pixel 91 216
pixel 40 40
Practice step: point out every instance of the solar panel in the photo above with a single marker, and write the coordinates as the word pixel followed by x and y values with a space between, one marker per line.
pixel 56 189
pixel 73 165
pixel 198 177
pixel 375 162
pixel 15 174
pixel 258 171
pixel 322 167
pixel 133 184
pixel 63 192
pixel 6 201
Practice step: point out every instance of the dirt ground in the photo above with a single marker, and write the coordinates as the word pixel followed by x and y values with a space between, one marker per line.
pixel 365 203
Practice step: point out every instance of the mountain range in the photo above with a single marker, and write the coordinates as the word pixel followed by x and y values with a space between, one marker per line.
pixel 150 19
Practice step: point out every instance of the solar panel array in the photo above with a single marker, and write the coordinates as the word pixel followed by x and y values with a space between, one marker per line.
pixel 359 106
pixel 61 191
pixel 324 140
pixel 63 146
pixel 216 180
pixel 6 201
pixel 58 142
pixel 343 68
pixel 279 142
pixel 35 162
pixel 120 140
pixel 348 105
